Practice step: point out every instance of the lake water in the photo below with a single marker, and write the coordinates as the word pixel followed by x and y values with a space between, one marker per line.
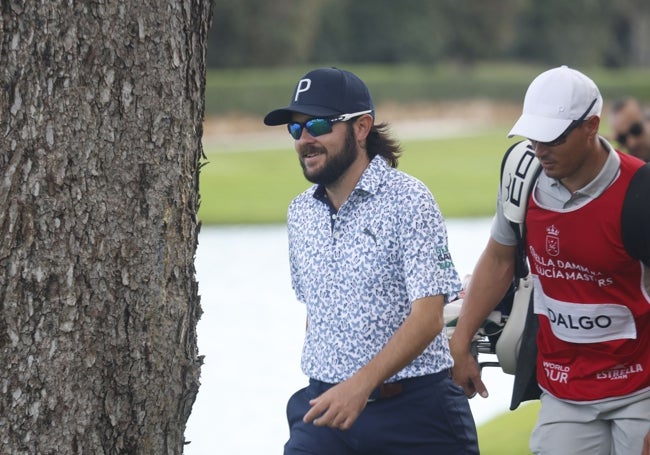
pixel 251 335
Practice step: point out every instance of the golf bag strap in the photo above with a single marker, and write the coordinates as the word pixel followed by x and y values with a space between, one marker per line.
pixel 519 171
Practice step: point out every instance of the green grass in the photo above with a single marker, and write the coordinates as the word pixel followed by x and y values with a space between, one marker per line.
pixel 508 434
pixel 462 173
pixel 244 187
pixel 256 90
pixel 249 187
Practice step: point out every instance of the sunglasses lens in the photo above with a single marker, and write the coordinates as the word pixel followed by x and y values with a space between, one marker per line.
pixel 295 130
pixel 318 126
pixel 315 127
pixel 636 129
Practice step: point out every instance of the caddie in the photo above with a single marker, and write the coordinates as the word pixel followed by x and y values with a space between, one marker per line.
pixel 587 242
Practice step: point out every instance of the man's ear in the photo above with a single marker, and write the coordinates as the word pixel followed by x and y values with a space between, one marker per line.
pixel 593 123
pixel 362 126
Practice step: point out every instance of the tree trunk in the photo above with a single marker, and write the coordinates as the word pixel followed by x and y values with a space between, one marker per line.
pixel 101 107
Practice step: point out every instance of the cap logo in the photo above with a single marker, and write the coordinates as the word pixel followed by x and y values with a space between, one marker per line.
pixel 303 86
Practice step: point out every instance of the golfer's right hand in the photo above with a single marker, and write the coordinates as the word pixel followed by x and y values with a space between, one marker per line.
pixel 467 374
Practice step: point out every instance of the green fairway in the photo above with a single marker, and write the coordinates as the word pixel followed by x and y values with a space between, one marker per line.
pixel 255 90
pixel 249 187
pixel 462 173
pixel 256 186
pixel 508 433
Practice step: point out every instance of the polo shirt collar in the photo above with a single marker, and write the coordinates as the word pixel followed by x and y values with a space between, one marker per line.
pixel 604 178
pixel 371 179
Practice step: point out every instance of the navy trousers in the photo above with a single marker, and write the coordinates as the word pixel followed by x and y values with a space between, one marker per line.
pixel 430 415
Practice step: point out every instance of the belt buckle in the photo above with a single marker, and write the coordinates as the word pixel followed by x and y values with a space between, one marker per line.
pixel 386 390
pixel 392 389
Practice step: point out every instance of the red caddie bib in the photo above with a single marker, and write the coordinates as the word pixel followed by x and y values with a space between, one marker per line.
pixel 594 314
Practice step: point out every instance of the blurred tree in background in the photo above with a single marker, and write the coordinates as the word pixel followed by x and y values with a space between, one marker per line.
pixel 262 33
pixel 248 33
pixel 386 32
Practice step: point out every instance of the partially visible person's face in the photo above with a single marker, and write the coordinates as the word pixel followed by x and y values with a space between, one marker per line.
pixel 569 161
pixel 632 131
pixel 325 158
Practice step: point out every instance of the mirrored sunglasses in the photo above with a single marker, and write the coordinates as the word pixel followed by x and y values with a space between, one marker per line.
pixel 319 126
pixel 635 130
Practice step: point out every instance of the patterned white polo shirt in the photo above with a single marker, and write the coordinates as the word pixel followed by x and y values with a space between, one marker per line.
pixel 359 269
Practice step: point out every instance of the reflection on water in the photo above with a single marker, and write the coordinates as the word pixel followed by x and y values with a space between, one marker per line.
pixel 251 336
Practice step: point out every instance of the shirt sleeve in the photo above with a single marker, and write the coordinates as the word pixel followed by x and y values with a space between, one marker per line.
pixel 501 230
pixel 428 266
pixel 293 268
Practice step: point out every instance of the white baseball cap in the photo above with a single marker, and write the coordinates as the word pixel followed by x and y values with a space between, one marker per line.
pixel 553 101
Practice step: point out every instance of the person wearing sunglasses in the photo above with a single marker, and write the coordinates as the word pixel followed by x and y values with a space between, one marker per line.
pixel 590 269
pixel 369 258
pixel 630 127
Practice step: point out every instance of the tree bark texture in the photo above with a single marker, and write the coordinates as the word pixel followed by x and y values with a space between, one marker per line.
pixel 101 109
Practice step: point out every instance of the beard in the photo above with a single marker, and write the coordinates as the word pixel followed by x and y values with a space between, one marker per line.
pixel 335 164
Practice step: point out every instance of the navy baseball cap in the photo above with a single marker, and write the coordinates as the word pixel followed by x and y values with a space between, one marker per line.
pixel 325 92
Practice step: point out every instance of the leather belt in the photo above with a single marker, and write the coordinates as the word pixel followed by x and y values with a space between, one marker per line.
pixel 386 390
pixel 390 389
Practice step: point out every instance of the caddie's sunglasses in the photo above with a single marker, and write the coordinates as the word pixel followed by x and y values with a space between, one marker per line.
pixel 319 126
pixel 561 139
pixel 635 130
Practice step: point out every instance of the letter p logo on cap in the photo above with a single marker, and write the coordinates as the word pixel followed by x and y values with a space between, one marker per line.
pixel 303 86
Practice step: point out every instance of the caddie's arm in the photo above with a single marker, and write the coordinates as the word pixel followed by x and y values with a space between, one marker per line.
pixel 491 278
